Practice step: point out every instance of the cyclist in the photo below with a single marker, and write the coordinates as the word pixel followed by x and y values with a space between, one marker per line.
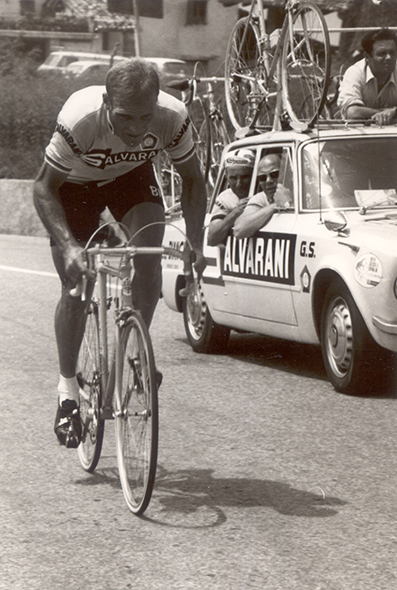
pixel 231 202
pixel 369 87
pixel 100 157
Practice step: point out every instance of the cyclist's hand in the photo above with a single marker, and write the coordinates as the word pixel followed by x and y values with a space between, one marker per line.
pixel 282 197
pixel 241 206
pixel 199 262
pixel 75 266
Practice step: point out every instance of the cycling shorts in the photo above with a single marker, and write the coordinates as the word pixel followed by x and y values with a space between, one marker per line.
pixel 83 204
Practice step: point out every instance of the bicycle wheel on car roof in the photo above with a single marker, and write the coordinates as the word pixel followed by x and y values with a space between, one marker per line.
pixel 89 379
pixel 219 140
pixel 201 133
pixel 306 63
pixel 245 74
pixel 137 417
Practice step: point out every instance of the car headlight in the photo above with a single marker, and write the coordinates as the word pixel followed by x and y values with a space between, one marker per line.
pixel 368 270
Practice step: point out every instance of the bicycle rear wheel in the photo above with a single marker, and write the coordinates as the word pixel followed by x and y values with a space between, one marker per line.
pixel 245 74
pixel 201 133
pixel 306 63
pixel 137 418
pixel 219 140
pixel 89 379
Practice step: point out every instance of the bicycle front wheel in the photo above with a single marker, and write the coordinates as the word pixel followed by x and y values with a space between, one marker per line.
pixel 245 74
pixel 89 379
pixel 137 418
pixel 306 63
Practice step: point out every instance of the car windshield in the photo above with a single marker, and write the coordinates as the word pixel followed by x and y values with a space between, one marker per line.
pixel 350 173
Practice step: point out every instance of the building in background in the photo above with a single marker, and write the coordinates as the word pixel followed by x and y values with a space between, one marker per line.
pixel 191 30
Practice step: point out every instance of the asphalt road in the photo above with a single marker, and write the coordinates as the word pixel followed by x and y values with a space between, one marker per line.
pixel 268 479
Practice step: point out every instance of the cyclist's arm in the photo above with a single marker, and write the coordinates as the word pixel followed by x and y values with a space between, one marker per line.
pixel 49 208
pixel 194 203
pixel 218 228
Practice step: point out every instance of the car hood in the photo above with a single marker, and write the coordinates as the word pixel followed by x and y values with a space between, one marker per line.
pixel 373 229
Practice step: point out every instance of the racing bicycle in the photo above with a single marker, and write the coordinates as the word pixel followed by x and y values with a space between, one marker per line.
pixel 207 121
pixel 281 77
pixel 116 371
pixel 218 134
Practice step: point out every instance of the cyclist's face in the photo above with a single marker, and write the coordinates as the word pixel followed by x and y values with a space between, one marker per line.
pixel 130 121
pixel 383 59
pixel 239 179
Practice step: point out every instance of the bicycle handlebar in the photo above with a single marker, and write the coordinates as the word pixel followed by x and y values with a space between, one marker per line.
pixel 130 251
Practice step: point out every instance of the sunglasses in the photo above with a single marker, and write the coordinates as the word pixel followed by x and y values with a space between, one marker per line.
pixel 272 176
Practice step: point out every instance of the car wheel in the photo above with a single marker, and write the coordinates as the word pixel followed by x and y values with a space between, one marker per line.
pixel 203 333
pixel 346 342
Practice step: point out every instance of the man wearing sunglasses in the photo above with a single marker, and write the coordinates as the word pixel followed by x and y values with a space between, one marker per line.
pixel 260 207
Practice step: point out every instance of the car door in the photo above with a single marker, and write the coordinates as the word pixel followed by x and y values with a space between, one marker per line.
pixel 259 270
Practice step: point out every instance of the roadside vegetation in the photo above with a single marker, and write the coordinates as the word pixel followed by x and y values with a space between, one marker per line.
pixel 29 105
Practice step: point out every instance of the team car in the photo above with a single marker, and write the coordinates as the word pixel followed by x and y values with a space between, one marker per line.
pixel 322 271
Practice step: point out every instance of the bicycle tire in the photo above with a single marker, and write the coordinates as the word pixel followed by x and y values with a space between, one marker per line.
pixel 137 420
pixel 219 140
pixel 245 74
pixel 89 379
pixel 201 133
pixel 306 64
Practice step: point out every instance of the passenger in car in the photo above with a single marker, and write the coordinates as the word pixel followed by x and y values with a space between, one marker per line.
pixel 369 87
pixel 230 203
pixel 261 207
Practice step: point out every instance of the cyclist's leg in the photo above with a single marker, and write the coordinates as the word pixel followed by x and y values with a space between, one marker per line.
pixel 70 316
pixel 135 199
pixel 80 206
pixel 146 283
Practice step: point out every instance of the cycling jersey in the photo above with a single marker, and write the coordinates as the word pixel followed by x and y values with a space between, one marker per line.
pixel 85 146
pixel 225 202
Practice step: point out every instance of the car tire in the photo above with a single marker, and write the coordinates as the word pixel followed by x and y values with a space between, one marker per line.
pixel 346 343
pixel 204 335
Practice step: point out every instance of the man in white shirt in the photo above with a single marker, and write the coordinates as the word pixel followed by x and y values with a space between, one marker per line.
pixel 369 87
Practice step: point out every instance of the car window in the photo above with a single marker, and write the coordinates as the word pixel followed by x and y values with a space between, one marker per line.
pixel 223 183
pixel 340 170
pixel 176 69
pixel 285 177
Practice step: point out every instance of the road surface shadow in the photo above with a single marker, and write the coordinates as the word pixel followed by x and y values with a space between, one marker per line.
pixel 194 498
pixel 294 357
pixel 187 498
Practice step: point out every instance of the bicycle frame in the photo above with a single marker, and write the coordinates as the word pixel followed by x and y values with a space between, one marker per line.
pixel 111 368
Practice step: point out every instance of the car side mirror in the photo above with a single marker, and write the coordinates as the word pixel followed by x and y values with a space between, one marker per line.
pixel 335 221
